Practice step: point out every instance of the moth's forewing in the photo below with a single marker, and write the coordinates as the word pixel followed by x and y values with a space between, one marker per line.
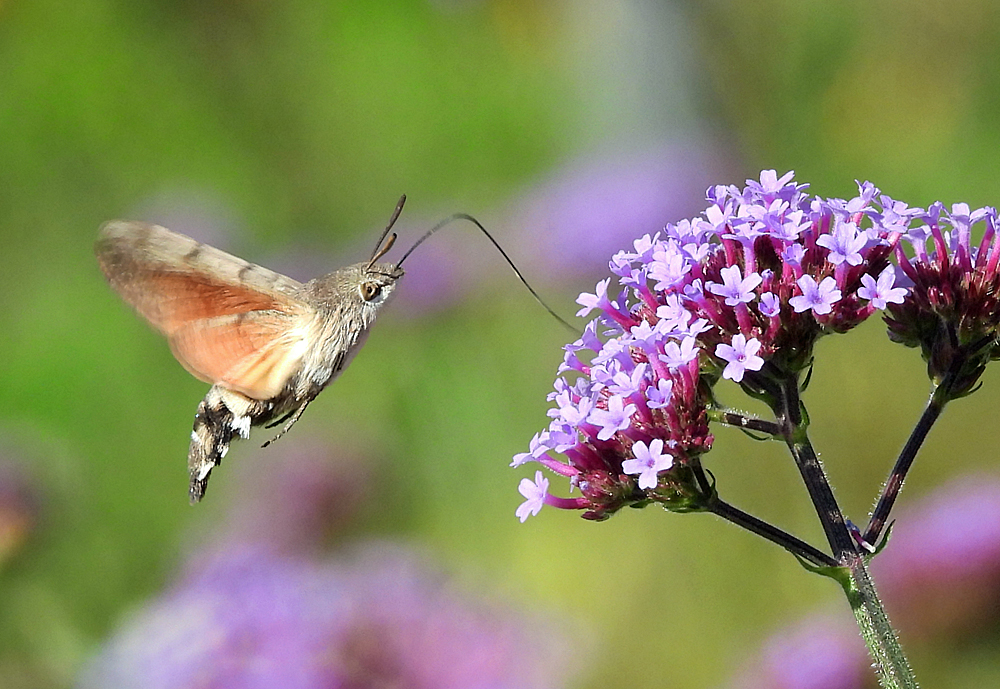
pixel 125 248
pixel 228 321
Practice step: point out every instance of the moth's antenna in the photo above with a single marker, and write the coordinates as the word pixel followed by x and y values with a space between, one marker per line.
pixel 380 248
pixel 465 216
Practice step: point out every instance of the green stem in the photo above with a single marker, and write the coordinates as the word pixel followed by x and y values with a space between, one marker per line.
pixel 794 422
pixel 772 533
pixel 893 484
pixel 890 663
pixel 748 423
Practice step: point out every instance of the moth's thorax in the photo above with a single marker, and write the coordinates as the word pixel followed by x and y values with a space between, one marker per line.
pixel 343 317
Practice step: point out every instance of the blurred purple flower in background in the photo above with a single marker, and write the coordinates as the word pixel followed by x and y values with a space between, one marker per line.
pixel 259 605
pixel 570 223
pixel 251 618
pixel 822 652
pixel 940 573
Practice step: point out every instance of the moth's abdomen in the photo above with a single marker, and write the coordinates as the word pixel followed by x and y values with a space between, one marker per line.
pixel 221 416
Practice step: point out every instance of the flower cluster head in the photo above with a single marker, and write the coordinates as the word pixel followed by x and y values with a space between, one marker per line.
pixel 953 311
pixel 741 292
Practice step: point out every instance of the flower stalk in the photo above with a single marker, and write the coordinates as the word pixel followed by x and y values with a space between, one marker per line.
pixel 795 424
pixel 794 545
pixel 894 484
pixel 889 662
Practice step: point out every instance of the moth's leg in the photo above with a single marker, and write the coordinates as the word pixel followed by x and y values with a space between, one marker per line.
pixel 222 415
pixel 291 422
pixel 280 421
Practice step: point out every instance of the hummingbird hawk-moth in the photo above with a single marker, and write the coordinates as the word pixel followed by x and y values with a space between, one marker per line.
pixel 268 344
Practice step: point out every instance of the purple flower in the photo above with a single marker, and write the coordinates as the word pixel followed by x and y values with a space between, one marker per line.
pixel 881 292
pixel 616 417
pixel 770 304
pixel 536 448
pixel 679 354
pixel 688 315
pixel 952 309
pixel 647 462
pixel 669 266
pixel 793 255
pixel 819 298
pixel 658 396
pixel 673 313
pixel 742 357
pixel 625 384
pixel 534 493
pixel 845 244
pixel 574 413
pixel 735 288
pixel 770 186
pixel 599 300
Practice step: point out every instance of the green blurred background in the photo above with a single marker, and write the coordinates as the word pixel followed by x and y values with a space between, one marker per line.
pixel 285 132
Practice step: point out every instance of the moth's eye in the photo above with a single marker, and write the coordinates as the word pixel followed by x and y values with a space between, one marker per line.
pixel 370 290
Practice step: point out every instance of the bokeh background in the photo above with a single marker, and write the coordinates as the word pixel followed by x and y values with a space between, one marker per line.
pixel 284 133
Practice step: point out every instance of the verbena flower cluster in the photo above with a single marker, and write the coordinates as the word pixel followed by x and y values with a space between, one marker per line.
pixel 741 292
pixel 952 310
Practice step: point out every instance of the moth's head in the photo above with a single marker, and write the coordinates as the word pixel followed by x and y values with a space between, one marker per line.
pixel 375 282
pixel 360 290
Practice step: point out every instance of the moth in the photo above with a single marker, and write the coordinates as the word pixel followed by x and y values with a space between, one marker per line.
pixel 266 343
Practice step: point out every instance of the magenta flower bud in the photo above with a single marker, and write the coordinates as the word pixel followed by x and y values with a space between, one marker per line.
pixel 952 310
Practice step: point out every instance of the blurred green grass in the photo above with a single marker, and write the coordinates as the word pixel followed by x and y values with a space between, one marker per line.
pixel 306 121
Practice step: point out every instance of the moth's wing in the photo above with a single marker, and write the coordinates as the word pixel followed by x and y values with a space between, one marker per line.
pixel 228 321
pixel 253 352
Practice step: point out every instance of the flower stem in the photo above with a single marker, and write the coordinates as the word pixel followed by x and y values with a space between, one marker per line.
pixel 772 533
pixel 791 415
pixel 890 663
pixel 747 423
pixel 890 491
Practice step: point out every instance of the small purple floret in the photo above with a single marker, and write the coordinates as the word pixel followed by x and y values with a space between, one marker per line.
pixel 534 493
pixel 648 462
pixel 742 357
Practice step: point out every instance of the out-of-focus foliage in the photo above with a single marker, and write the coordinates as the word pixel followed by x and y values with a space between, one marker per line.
pixel 285 132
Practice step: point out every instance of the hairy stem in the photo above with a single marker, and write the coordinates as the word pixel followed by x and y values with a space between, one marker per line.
pixel 794 422
pixel 747 423
pixel 772 533
pixel 889 661
pixel 890 491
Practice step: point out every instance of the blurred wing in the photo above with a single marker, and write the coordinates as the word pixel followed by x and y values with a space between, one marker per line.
pixel 228 321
